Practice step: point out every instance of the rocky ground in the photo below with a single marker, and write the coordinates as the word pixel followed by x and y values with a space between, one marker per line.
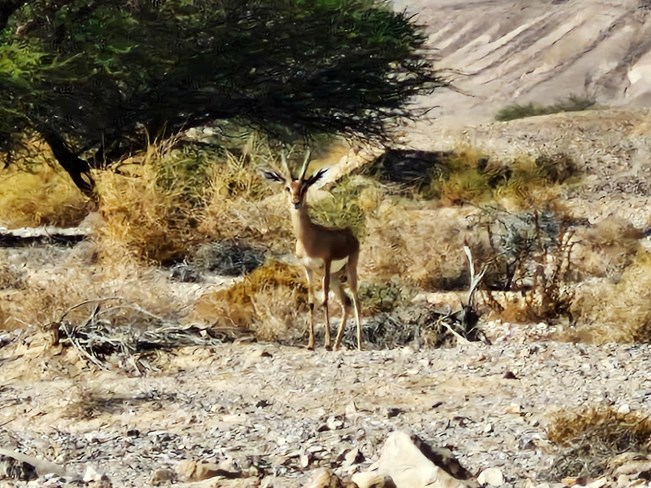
pixel 279 412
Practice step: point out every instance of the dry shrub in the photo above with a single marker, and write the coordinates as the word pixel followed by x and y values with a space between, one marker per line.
pixel 616 312
pixel 44 299
pixel 606 249
pixel 463 180
pixel 280 314
pixel 556 167
pixel 586 439
pixel 40 195
pixel 424 247
pixel 530 253
pixel 241 204
pixel 264 222
pixel 265 301
pixel 148 208
pixel 349 203
pixel 229 257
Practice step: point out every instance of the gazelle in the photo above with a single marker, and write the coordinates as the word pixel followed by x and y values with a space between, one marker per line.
pixel 337 250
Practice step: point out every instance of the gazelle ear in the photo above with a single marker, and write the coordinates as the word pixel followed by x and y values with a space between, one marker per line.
pixel 316 177
pixel 272 175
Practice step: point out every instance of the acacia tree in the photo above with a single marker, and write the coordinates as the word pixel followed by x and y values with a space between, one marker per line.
pixel 95 78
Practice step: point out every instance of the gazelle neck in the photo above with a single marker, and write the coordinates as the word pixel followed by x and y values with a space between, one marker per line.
pixel 300 219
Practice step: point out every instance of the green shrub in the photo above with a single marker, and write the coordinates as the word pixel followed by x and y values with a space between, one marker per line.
pixel 573 103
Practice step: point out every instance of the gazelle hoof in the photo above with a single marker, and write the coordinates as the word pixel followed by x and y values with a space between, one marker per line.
pixel 310 347
pixel 328 347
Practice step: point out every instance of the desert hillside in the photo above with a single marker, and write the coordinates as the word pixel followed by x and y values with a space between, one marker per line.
pixel 505 51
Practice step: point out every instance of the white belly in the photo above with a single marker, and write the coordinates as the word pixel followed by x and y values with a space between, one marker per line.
pixel 318 263
pixel 337 265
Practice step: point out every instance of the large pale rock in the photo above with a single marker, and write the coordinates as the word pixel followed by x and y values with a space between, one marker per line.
pixel 94 479
pixel 411 463
pixel 16 465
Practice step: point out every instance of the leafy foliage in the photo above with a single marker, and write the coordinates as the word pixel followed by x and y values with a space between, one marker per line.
pixel 95 78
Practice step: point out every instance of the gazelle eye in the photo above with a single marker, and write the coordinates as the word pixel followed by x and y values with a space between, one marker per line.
pixel 287 189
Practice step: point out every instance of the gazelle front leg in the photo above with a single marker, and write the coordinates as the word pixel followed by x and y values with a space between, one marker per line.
pixel 310 301
pixel 345 306
pixel 326 292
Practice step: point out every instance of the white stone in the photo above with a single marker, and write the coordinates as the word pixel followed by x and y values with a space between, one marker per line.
pixel 491 477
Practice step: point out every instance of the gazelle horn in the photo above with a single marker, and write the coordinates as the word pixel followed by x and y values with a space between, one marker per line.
pixel 283 158
pixel 306 163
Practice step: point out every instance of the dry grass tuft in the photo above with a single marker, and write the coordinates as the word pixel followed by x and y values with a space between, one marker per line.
pixel 240 204
pixel 148 208
pixel 85 402
pixel 265 301
pixel 281 314
pixel 463 180
pixel 11 278
pixel 42 295
pixel 40 196
pixel 616 312
pixel 588 438
pixel 423 247
pixel 467 175
pixel 606 249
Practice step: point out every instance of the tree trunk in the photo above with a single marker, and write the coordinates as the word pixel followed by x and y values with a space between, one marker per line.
pixel 77 168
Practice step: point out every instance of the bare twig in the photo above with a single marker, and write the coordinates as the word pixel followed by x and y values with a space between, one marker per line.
pixel 97 338
pixel 86 302
pixel 475 279
pixel 82 350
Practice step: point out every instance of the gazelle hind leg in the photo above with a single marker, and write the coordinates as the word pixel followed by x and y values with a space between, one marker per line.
pixel 345 307
pixel 326 292
pixel 310 298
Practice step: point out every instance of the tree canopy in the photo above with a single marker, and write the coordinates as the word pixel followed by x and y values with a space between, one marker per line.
pixel 95 78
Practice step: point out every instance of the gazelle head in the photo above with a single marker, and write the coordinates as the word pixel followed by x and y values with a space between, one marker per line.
pixel 296 188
